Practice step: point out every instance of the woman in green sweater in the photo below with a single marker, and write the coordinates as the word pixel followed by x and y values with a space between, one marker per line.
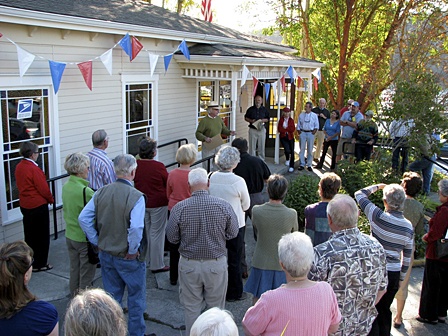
pixel 272 220
pixel 75 194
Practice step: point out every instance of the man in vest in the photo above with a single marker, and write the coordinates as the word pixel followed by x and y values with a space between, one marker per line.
pixel 113 220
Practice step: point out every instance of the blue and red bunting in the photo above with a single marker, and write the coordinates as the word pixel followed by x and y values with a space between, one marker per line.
pixel 56 70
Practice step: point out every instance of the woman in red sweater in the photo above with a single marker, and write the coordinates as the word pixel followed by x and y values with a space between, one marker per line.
pixel 286 129
pixel 34 197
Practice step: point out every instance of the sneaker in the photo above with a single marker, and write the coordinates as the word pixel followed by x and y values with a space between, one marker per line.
pixel 301 168
pixel 286 163
pixel 291 169
pixel 310 169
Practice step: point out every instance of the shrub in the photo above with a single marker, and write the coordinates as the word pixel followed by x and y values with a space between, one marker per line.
pixel 302 192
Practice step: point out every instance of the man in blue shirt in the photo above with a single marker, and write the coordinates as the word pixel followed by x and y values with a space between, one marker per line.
pixel 113 220
pixel 349 121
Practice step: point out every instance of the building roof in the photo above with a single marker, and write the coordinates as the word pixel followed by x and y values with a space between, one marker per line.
pixel 137 13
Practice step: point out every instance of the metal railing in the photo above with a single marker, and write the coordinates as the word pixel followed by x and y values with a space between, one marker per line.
pixel 52 181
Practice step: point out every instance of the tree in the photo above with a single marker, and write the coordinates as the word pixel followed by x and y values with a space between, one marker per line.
pixel 366 42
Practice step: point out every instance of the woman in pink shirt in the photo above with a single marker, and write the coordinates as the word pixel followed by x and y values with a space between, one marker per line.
pixel 301 306
pixel 177 189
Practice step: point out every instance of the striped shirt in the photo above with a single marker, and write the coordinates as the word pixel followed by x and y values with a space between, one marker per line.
pixel 391 229
pixel 101 171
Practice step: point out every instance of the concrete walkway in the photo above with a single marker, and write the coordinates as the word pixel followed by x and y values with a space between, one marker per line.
pixel 165 314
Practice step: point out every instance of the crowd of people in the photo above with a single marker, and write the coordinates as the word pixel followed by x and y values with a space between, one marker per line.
pixel 332 279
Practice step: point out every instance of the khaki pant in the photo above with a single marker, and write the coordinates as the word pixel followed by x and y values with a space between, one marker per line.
pixel 257 139
pixel 81 271
pixel 319 137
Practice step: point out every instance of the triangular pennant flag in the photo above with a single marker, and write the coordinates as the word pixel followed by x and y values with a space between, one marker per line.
pixel 125 44
pixel 136 47
pixel 86 71
pixel 283 82
pixel 255 86
pixel 268 89
pixel 153 62
pixel 305 84
pixel 106 58
pixel 292 73
pixel 316 73
pixel 184 49
pixel 299 81
pixel 56 70
pixel 244 75
pixel 1 35
pixel 274 90
pixel 315 83
pixel 25 60
pixel 167 60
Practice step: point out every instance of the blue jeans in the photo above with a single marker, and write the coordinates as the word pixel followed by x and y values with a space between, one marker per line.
pixel 425 166
pixel 306 141
pixel 117 273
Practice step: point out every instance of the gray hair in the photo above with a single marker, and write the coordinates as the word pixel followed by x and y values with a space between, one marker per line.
pixel 277 187
pixel 28 148
pixel 98 137
pixel 197 176
pixel 443 187
pixel 214 322
pixel 227 158
pixel 124 164
pixel 343 211
pixel 94 312
pixel 76 163
pixel 296 253
pixel 394 195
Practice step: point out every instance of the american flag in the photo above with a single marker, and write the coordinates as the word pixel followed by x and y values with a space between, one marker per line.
pixel 206 10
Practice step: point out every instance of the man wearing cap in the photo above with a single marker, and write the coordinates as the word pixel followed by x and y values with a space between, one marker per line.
pixel 322 115
pixel 346 108
pixel 210 126
pixel 364 137
pixel 349 121
pixel 307 126
pixel 257 116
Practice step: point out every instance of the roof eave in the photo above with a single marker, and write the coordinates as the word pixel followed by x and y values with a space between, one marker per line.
pixel 50 20
pixel 248 61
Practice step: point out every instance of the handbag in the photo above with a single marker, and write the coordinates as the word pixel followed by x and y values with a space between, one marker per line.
pixel 92 251
pixel 442 248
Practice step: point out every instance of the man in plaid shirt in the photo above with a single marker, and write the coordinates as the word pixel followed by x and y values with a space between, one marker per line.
pixel 202 224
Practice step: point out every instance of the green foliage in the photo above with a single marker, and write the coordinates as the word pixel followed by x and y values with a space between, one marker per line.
pixel 302 192
pixel 435 179
pixel 420 246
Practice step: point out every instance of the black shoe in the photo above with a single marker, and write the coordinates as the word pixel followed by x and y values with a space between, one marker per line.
pixel 423 320
pixel 301 168
pixel 318 166
pixel 173 282
pixel 242 297
pixel 310 169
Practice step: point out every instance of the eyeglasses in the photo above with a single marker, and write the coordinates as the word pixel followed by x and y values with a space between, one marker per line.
pixel 32 262
pixel 36 152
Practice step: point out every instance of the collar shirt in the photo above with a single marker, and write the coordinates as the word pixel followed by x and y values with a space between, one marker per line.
pixel 354 264
pixel 325 112
pixel 308 122
pixel 400 128
pixel 101 171
pixel 202 224
pixel 347 131
pixel 257 113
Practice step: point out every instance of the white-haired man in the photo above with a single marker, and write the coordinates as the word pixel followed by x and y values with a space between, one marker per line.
pixel 345 261
pixel 322 115
pixel 101 170
pixel 396 235
pixel 114 220
pixel 202 224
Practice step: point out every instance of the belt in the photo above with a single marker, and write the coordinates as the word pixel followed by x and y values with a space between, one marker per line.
pixel 304 131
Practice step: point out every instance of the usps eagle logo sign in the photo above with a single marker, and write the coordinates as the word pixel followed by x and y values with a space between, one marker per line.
pixel 25 109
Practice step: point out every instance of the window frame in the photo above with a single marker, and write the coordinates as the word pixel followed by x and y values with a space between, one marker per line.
pixel 31 83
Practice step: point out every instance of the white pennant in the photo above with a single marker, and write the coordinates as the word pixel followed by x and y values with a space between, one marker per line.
pixel 153 62
pixel 106 58
pixel 25 59
pixel 244 75
pixel 274 89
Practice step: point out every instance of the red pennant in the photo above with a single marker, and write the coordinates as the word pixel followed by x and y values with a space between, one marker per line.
pixel 86 71
pixel 1 35
pixel 299 81
pixel 136 47
pixel 283 82
pixel 255 86
pixel 315 83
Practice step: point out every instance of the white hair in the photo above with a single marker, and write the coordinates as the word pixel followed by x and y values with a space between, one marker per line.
pixel 214 322
pixel 197 176
pixel 343 211
pixel 124 164
pixel 227 158
pixel 443 187
pixel 296 253
pixel 394 195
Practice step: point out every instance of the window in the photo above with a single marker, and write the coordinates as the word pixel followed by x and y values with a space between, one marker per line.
pixel 25 115
pixel 139 115
pixel 208 92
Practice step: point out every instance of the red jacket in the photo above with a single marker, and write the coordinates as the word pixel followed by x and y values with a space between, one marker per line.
pixel 32 184
pixel 437 229
pixel 290 129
